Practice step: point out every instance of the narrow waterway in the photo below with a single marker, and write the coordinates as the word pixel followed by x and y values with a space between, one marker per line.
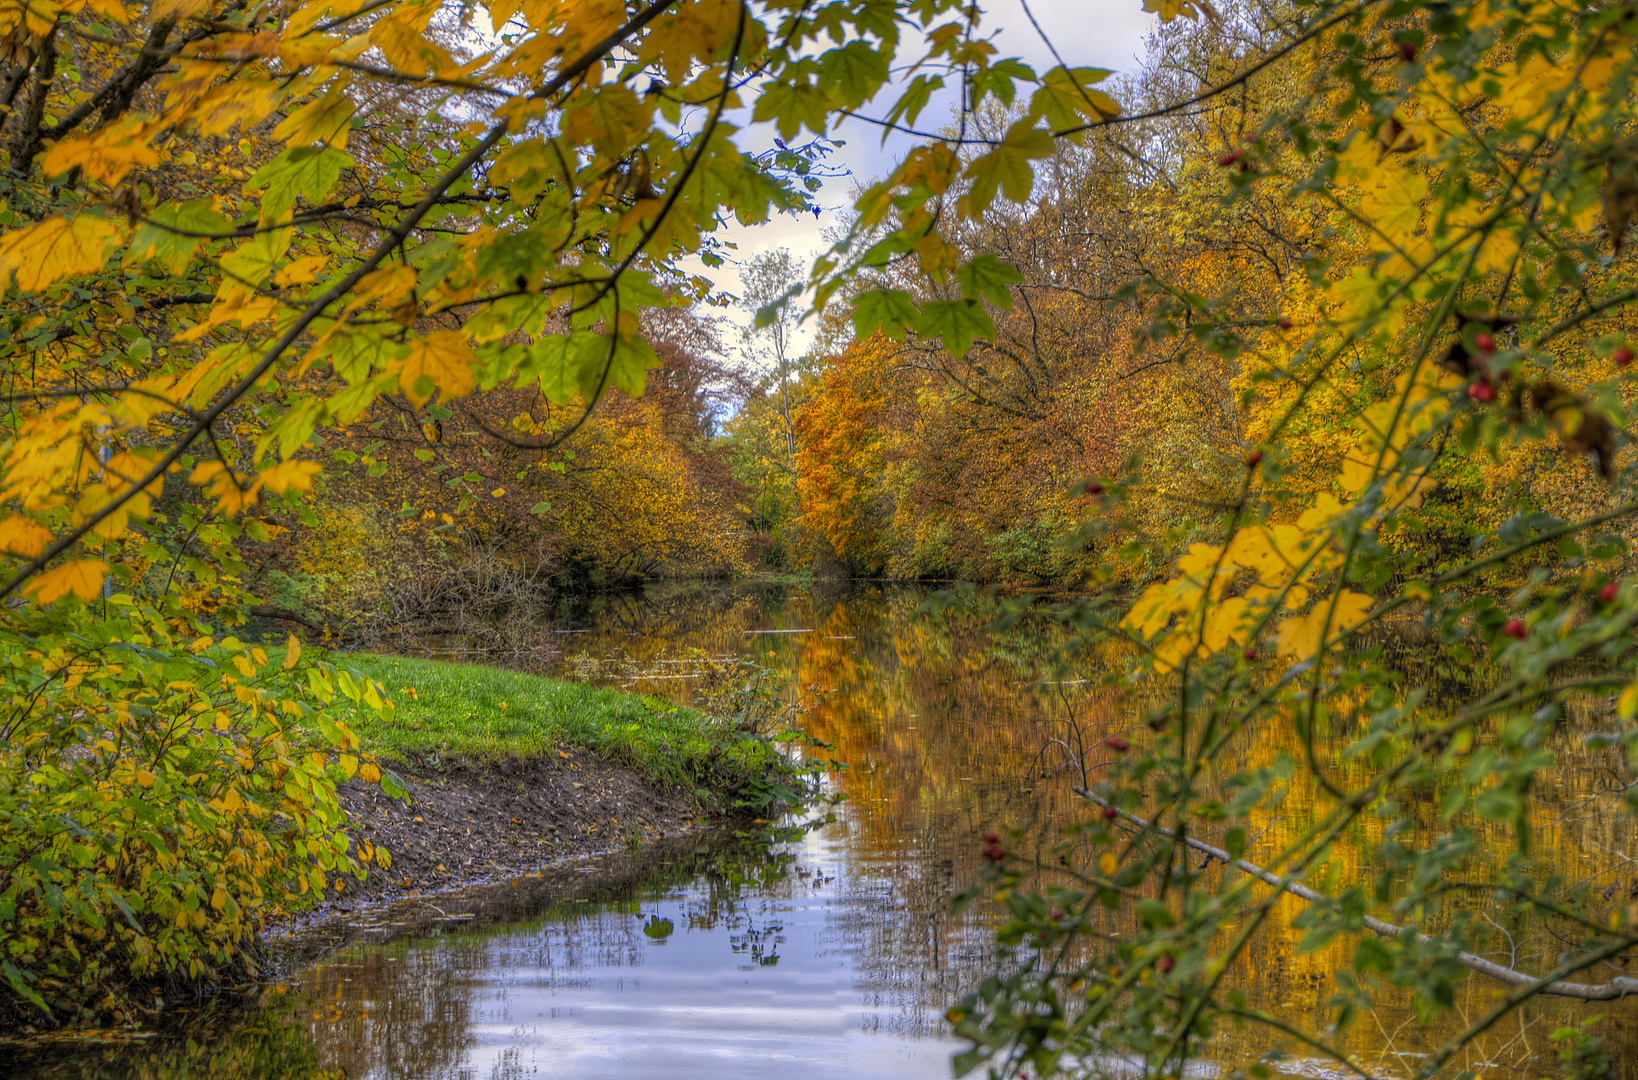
pixel 834 954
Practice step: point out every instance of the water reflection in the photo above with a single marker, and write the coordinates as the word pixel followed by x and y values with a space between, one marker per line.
pixel 838 954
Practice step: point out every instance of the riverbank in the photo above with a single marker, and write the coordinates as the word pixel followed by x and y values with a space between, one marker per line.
pixel 506 774
pixel 475 820
pixel 508 771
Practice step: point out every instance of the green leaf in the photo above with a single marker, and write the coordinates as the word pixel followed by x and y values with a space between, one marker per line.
pixel 987 277
pixel 165 236
pixel 791 106
pixel 614 362
pixel 1066 99
pixel 1372 955
pixel 887 310
pixel 309 171
pixel 393 785
pixel 1155 913
pixel 1007 168
pixel 252 263
pixel 956 323
pixel 855 71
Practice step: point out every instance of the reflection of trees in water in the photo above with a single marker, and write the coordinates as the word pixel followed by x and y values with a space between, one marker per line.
pixel 910 956
pixel 275 1046
pixel 394 1012
pixel 943 717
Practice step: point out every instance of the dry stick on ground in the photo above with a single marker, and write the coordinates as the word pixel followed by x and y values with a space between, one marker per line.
pixel 1618 987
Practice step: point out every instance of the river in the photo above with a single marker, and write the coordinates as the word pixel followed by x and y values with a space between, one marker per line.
pixel 834 954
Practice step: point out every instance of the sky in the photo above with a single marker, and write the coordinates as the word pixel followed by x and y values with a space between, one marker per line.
pixel 1087 33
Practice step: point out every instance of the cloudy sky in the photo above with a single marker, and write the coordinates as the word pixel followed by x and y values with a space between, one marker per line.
pixel 1092 33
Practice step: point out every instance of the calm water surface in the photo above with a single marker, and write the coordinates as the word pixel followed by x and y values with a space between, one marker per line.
pixel 835 955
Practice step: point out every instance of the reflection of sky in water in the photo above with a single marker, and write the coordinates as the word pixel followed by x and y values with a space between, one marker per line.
pixel 776 986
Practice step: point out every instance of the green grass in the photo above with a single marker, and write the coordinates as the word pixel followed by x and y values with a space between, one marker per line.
pixel 483 712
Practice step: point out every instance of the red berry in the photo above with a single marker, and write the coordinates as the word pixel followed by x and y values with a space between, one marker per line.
pixel 1056 914
pixel 1285 324
pixel 1250 653
pixel 1408 51
pixel 1254 459
pixel 1094 488
pixel 1117 744
pixel 1109 812
pixel 994 852
pixel 991 838
pixel 1230 158
pixel 1485 342
pixel 1482 392
pixel 1622 356
pixel 1609 592
pixel 1166 964
pixel 1514 629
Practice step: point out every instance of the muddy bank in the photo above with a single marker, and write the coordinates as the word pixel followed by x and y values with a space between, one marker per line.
pixel 469 821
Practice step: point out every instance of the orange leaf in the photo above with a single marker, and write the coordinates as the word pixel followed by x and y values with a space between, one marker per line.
pixel 82 577
pixel 442 360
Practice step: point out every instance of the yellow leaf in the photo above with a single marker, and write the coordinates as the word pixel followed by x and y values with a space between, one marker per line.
pixel 1108 864
pixel 369 773
pixel 292 652
pixel 300 271
pixel 441 360
pixel 406 49
pixel 58 248
pixel 326 120
pixel 1395 206
pixel 1627 704
pixel 145 778
pixel 1223 624
pixel 290 474
pixel 1298 636
pixel 23 538
pixel 218 898
pixel 105 156
pixel 82 577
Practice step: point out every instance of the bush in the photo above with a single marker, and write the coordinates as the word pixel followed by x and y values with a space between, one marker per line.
pixel 159 798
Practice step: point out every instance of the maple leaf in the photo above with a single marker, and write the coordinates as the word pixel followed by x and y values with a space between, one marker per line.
pixel 39 256
pixel 106 156
pixel 290 474
pixel 82 578
pixel 443 361
pixel 22 537
pixel 326 120
pixel 1006 168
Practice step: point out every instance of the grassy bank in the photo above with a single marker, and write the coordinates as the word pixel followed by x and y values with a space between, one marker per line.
pixel 473 711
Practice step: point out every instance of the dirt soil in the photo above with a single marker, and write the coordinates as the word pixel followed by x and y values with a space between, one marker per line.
pixel 468 822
